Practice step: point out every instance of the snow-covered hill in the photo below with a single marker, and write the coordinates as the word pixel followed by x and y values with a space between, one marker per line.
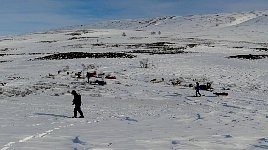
pixel 204 21
pixel 150 67
pixel 201 25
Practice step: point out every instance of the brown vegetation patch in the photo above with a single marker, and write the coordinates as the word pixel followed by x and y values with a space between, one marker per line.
pixel 261 49
pixel 249 56
pixel 7 49
pixel 75 55
pixel 163 51
pixel 157 48
pixel 238 47
pixel 4 61
pixel 25 54
pixel 48 41
pixel 78 38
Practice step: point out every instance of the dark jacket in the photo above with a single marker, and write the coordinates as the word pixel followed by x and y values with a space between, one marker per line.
pixel 77 100
pixel 197 88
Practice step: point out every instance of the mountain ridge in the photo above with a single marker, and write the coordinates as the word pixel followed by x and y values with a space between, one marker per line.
pixel 209 20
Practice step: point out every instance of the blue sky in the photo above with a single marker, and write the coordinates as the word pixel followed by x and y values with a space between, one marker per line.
pixel 20 16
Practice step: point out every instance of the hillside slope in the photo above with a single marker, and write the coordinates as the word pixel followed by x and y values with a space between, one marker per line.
pixel 251 23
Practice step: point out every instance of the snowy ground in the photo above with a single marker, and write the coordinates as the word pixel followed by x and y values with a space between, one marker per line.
pixel 139 109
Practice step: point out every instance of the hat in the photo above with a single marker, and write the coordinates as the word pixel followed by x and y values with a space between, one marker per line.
pixel 73 92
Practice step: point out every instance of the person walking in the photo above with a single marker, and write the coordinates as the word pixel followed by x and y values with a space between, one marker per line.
pixel 88 77
pixel 77 104
pixel 197 88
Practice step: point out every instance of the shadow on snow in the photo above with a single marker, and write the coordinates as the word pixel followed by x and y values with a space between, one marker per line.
pixel 53 115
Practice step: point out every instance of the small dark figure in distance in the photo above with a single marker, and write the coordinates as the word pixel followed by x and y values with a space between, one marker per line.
pixel 77 104
pixel 88 76
pixel 197 88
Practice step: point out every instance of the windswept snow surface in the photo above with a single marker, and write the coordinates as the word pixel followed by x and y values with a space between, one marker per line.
pixel 141 108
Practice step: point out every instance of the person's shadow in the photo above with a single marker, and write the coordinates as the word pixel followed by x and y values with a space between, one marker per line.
pixel 53 115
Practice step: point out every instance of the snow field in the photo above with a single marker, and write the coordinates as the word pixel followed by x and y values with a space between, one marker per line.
pixel 138 109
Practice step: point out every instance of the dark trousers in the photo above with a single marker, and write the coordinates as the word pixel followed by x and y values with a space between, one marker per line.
pixel 77 109
pixel 197 93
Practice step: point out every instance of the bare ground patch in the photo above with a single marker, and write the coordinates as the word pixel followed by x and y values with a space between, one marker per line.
pixel 75 55
pixel 249 56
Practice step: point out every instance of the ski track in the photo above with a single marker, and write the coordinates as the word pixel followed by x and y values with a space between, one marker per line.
pixel 41 135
